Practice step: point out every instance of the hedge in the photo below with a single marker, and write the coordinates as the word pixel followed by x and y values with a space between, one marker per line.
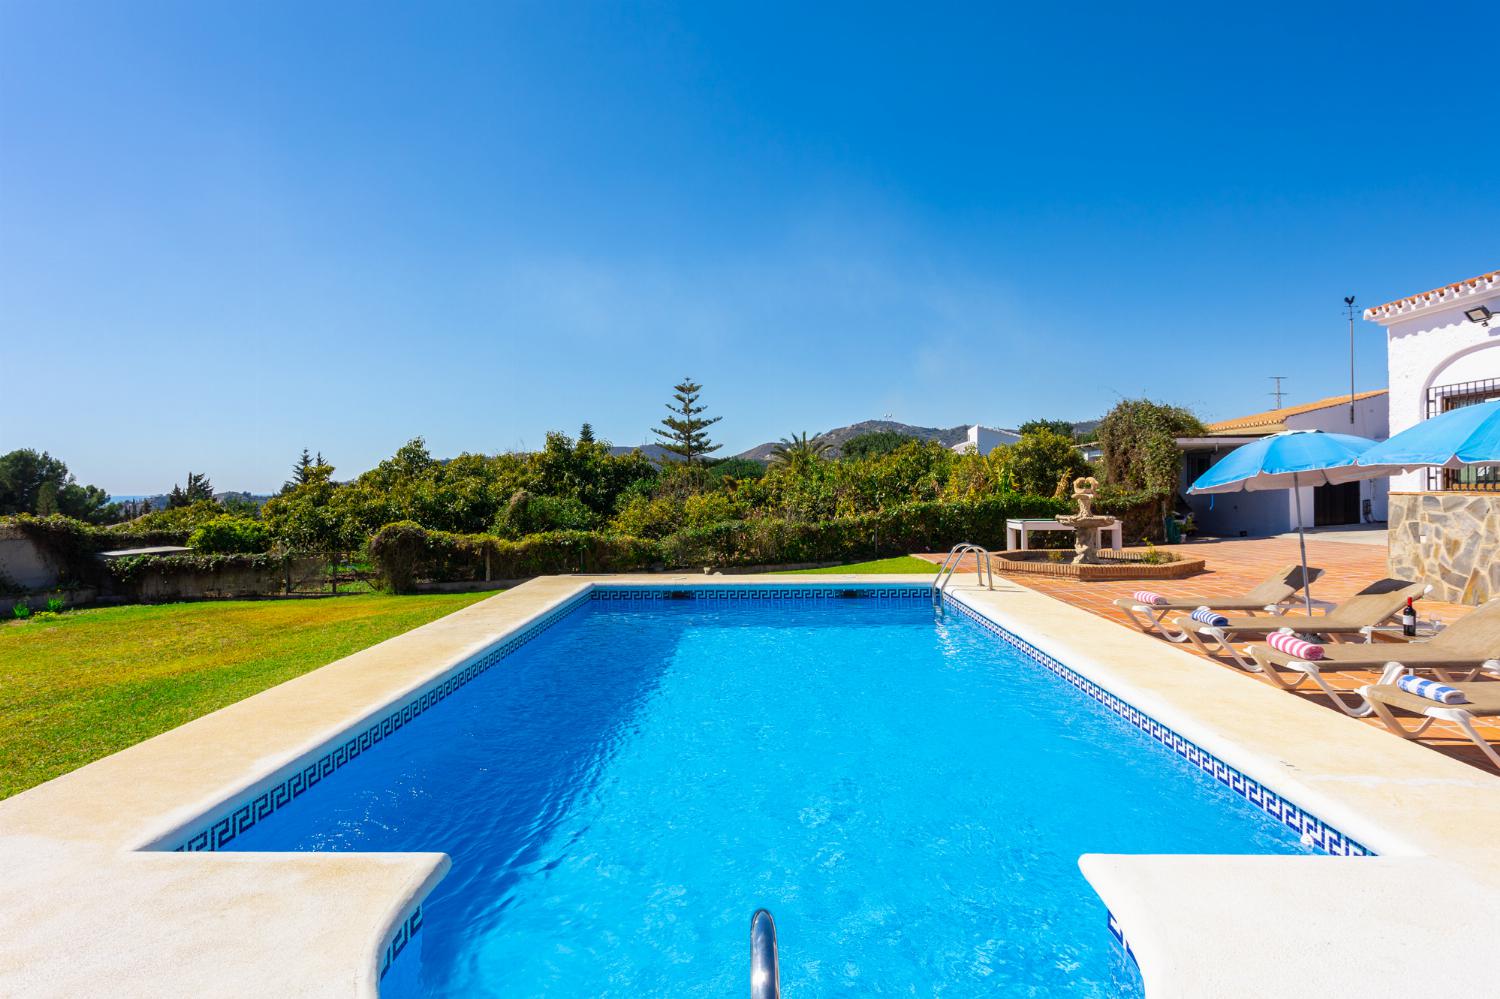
pixel 133 568
pixel 405 552
pixel 73 544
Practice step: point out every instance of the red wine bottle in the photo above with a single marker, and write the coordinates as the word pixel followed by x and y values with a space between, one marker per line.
pixel 1409 619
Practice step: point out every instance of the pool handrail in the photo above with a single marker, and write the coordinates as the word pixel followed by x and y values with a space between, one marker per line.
pixel 765 966
pixel 982 568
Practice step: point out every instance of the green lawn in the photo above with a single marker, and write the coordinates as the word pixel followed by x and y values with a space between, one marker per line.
pixel 903 563
pixel 91 682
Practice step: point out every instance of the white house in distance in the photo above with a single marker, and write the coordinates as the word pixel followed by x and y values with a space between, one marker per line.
pixel 1251 514
pixel 983 440
pixel 1443 351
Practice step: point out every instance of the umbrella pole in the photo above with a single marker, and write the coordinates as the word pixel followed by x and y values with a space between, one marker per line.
pixel 1302 542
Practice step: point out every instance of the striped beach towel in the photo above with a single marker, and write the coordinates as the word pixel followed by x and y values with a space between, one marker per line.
pixel 1211 618
pixel 1432 690
pixel 1285 641
pixel 1147 597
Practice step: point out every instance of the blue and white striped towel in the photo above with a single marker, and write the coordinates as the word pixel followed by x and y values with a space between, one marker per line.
pixel 1212 618
pixel 1432 690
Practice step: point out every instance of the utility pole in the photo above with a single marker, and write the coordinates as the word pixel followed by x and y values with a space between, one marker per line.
pixel 1277 390
pixel 1349 309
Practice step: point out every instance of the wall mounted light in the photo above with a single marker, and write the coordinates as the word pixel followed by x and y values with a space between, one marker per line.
pixel 1480 314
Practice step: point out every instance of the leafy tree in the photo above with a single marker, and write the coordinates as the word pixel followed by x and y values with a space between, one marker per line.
pixel 1139 441
pixel 35 482
pixel 1040 460
pixel 799 449
pixel 180 518
pixel 738 468
pixel 874 444
pixel 686 428
pixel 1061 427
pixel 528 514
pixel 302 471
pixel 231 536
pixel 198 488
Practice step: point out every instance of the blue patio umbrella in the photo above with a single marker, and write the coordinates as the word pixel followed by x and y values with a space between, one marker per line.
pixel 1469 435
pixel 1287 460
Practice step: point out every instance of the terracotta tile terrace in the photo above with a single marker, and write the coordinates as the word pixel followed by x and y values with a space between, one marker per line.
pixel 1235 566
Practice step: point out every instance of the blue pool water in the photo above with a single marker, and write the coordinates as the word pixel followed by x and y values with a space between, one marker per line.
pixel 908 795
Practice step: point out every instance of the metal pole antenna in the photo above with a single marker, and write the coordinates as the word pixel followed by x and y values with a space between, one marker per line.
pixel 1349 308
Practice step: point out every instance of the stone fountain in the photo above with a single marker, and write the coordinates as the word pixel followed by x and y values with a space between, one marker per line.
pixel 1085 523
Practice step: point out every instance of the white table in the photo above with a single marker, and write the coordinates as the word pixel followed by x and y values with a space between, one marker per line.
pixel 1018 533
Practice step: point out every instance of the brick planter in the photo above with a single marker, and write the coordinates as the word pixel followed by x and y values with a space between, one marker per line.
pixel 1110 567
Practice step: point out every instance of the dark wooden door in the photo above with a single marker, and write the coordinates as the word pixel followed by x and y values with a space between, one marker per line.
pixel 1336 504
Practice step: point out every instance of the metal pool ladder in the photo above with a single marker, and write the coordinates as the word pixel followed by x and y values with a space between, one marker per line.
pixel 765 967
pixel 982 568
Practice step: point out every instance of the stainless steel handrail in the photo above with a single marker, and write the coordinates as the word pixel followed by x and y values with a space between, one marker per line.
pixel 984 569
pixel 765 966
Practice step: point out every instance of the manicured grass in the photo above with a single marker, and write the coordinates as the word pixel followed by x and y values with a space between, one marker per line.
pixel 91 682
pixel 903 563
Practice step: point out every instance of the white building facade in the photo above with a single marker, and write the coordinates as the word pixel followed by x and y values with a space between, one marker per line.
pixel 983 440
pixel 1438 357
pixel 1443 353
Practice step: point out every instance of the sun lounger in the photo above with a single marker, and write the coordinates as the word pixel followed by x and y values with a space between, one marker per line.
pixel 1461 651
pixel 1370 606
pixel 1278 590
pixel 1483 701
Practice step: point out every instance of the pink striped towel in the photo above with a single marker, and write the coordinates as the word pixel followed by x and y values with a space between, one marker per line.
pixel 1147 597
pixel 1285 641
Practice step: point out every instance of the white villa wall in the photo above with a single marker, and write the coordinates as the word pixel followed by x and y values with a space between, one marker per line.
pixel 1372 420
pixel 1437 347
pixel 983 440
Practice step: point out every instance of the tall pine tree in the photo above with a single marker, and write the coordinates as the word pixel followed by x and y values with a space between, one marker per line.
pixel 685 434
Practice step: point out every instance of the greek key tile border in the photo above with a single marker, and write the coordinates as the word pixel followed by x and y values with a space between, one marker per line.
pixel 1312 830
pixel 219 833
pixel 404 932
pixel 1118 932
pixel 751 591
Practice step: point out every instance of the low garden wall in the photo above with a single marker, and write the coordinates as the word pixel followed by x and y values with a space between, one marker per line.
pixel 213 577
pixel 1448 539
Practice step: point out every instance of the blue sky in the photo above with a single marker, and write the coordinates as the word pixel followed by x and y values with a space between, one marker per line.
pixel 229 231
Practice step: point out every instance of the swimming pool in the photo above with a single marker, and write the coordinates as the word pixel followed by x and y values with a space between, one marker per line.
pixel 908 793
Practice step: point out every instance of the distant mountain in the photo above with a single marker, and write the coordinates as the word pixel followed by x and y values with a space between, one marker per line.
pixel 839 435
pixel 653 451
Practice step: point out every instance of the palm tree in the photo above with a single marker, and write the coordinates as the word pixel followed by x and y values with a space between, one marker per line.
pixel 799 448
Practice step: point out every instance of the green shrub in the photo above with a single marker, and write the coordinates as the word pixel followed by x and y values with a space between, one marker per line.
pixel 22 610
pixel 227 535
pixel 643 517
pixel 530 514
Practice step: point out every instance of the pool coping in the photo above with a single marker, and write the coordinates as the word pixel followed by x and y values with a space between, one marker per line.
pixel 75 841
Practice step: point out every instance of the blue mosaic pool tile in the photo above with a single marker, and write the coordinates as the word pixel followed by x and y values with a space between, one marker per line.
pixel 1313 831
pixel 219 833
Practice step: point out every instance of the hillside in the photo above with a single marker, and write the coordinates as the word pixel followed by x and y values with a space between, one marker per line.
pixel 838 435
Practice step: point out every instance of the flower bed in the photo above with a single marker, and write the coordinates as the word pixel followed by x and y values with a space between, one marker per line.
pixel 1123 564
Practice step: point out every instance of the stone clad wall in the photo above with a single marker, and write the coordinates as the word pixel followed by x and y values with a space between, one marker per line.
pixel 1451 540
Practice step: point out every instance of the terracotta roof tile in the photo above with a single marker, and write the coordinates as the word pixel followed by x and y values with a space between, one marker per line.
pixel 1274 420
pixel 1456 290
